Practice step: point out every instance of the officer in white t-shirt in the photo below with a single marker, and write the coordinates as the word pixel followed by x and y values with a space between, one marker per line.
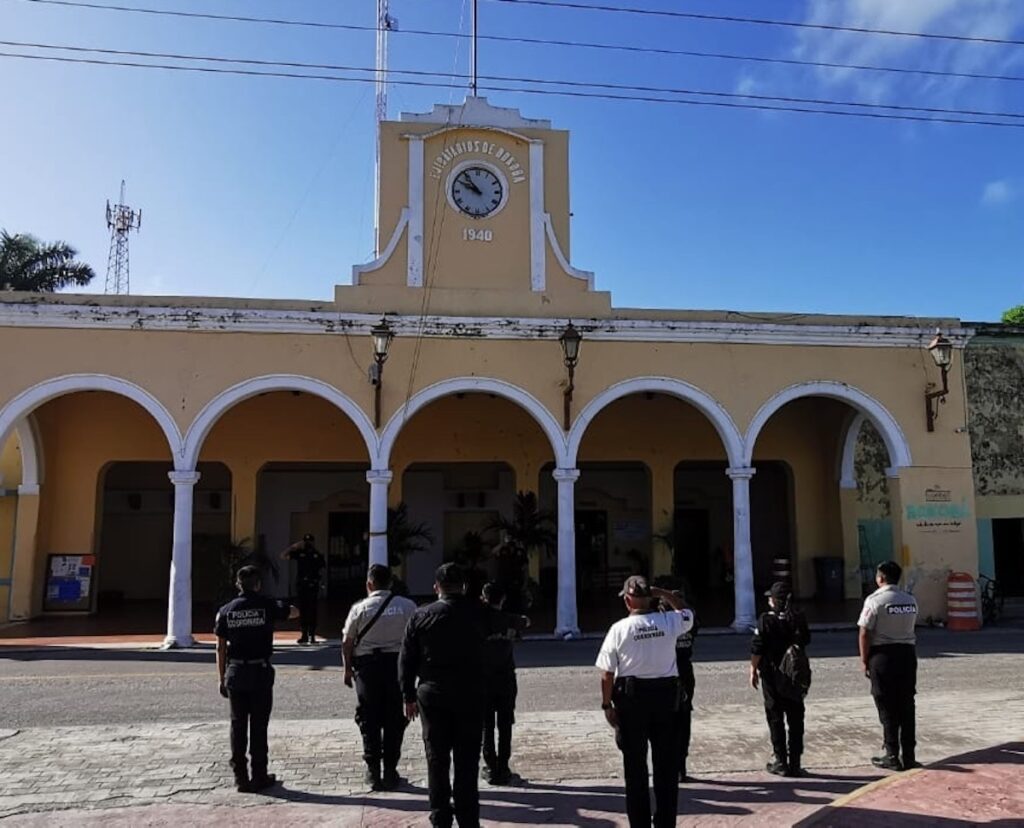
pixel 640 697
pixel 371 640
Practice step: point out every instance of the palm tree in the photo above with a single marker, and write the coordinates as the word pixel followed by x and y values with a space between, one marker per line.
pixel 31 265
pixel 530 526
pixel 404 536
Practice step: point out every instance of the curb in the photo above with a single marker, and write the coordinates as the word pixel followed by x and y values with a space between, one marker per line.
pixel 820 816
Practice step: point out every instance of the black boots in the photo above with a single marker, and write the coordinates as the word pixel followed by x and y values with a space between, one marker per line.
pixel 887 762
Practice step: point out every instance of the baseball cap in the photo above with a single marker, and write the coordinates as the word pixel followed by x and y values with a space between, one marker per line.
pixel 780 591
pixel 636 586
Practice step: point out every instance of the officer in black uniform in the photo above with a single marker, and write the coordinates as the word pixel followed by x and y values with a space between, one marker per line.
pixel 500 689
pixel 442 649
pixel 307 584
pixel 245 642
pixel 776 630
pixel 687 685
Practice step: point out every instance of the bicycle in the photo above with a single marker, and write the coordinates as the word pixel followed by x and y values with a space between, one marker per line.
pixel 991 599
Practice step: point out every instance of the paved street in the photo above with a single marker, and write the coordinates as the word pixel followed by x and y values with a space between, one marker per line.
pixel 103 729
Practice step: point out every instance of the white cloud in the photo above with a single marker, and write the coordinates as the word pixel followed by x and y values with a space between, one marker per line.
pixel 968 18
pixel 998 192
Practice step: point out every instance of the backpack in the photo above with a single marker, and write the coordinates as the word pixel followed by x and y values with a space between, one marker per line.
pixel 793 678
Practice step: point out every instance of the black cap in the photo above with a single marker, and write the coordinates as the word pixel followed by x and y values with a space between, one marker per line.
pixel 780 591
pixel 636 586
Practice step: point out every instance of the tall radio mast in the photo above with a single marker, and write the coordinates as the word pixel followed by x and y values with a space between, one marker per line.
pixel 121 219
pixel 385 24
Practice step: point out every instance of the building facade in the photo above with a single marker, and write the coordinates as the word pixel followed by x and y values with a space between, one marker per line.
pixel 142 436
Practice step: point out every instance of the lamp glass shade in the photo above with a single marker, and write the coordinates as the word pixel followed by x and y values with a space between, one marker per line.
pixel 941 350
pixel 570 341
pixel 381 334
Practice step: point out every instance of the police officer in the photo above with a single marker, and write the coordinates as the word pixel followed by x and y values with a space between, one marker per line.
pixel 888 655
pixel 245 642
pixel 310 564
pixel 371 639
pixel 687 685
pixel 640 697
pixel 500 689
pixel 442 649
pixel 778 629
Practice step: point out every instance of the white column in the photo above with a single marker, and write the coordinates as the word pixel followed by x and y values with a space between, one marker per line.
pixel 179 600
pixel 414 275
pixel 743 557
pixel 566 622
pixel 379 480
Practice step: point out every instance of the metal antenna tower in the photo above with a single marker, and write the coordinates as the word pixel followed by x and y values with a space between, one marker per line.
pixel 473 41
pixel 121 219
pixel 385 24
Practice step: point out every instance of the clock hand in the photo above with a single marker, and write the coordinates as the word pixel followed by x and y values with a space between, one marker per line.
pixel 469 183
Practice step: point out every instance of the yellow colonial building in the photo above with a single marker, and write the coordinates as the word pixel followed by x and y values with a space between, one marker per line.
pixel 143 435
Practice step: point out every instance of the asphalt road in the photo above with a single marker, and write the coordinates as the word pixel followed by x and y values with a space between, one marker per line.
pixel 69 687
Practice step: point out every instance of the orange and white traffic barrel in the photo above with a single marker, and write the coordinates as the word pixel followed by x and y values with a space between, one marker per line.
pixel 962 611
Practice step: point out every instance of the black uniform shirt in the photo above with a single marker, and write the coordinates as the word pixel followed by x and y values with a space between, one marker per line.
pixel 247 622
pixel 310 562
pixel 500 629
pixel 775 633
pixel 443 647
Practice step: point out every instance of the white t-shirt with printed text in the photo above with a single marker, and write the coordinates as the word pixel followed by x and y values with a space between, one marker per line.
pixel 644 645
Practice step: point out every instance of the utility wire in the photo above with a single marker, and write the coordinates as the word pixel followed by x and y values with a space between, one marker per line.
pixel 536 41
pixel 511 79
pixel 722 18
pixel 887 116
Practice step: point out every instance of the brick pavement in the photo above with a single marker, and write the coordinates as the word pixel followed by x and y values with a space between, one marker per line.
pixel 147 771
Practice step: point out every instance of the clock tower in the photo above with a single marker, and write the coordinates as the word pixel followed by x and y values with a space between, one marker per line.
pixel 474 211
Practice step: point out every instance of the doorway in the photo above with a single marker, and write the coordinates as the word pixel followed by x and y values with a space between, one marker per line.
pixel 1008 550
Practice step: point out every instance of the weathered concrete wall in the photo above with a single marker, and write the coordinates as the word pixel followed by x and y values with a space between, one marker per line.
pixel 995 394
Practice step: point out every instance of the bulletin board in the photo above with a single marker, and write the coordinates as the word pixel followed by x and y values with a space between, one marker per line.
pixel 69 580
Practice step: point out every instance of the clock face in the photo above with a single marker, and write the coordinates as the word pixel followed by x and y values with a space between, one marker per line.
pixel 477 191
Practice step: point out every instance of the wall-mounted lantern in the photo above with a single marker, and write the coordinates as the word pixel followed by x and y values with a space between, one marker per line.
pixel 941 350
pixel 381 335
pixel 570 341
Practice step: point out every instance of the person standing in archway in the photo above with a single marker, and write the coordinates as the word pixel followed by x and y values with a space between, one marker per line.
pixel 307 584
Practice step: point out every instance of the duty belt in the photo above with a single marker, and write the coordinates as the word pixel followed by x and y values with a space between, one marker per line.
pixel 265 662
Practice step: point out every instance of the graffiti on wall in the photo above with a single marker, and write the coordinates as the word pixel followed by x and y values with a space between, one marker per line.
pixel 995 375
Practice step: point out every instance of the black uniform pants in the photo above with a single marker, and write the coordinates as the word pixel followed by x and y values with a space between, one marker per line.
pixel 648 714
pixel 893 671
pixel 251 696
pixel 379 710
pixel 687 684
pixel 781 712
pixel 308 595
pixel 500 714
pixel 452 724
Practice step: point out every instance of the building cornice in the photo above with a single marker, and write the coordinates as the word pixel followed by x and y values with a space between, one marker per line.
pixel 315 321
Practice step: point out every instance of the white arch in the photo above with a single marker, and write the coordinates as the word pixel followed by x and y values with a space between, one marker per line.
pixel 878 414
pixel 215 408
pixel 848 457
pixel 701 400
pixel 28 401
pixel 31 454
pixel 471 385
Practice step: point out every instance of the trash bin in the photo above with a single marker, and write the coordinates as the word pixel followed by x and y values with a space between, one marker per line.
pixel 828 576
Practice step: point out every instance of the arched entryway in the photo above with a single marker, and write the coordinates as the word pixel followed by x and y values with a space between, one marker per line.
pixel 815 432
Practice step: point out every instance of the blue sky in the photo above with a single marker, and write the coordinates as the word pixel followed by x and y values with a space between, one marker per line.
pixel 264 187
